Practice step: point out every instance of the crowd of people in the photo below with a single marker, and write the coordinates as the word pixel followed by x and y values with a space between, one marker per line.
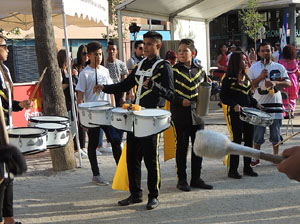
pixel 246 82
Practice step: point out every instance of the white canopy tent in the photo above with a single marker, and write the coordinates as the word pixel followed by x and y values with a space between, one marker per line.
pixel 18 13
pixel 188 18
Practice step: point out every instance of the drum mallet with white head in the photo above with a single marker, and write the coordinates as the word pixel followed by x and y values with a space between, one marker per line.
pixel 216 145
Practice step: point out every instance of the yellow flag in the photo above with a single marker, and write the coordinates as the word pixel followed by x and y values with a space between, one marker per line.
pixel 169 139
pixel 121 181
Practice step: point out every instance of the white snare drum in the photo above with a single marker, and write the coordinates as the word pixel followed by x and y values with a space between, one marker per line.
pixel 84 113
pixel 256 117
pixel 48 119
pixel 100 115
pixel 151 121
pixel 58 134
pixel 28 139
pixel 122 119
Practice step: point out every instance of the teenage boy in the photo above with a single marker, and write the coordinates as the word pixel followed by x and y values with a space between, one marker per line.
pixel 84 88
pixel 187 78
pixel 153 93
pixel 138 55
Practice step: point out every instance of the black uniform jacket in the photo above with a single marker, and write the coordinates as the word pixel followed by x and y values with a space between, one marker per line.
pixel 161 85
pixel 186 82
pixel 233 92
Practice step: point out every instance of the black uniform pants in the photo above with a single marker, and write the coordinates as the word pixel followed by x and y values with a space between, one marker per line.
pixel 93 134
pixel 240 129
pixel 6 199
pixel 183 133
pixel 137 149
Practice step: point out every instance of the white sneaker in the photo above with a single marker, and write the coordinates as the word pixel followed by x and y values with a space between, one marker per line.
pixel 105 150
pixel 98 153
pixel 83 155
pixel 100 180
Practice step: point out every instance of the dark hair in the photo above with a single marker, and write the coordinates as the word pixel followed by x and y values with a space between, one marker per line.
pixel 220 48
pixel 137 43
pixel 189 43
pixel 112 42
pixel 153 35
pixel 61 57
pixel 2 36
pixel 234 65
pixel 80 49
pixel 93 46
pixel 262 45
pixel 289 52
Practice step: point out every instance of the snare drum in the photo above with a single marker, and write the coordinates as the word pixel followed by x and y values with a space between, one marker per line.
pixel 100 115
pixel 58 134
pixel 84 113
pixel 48 119
pixel 28 139
pixel 256 117
pixel 151 121
pixel 122 119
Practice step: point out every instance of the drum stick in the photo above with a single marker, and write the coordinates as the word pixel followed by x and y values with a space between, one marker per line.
pixel 216 145
pixel 3 132
pixel 38 84
pixel 287 138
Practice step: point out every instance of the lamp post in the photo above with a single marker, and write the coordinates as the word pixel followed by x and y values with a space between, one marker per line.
pixel 134 29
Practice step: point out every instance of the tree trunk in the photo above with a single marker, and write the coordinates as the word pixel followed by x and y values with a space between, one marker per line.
pixel 53 96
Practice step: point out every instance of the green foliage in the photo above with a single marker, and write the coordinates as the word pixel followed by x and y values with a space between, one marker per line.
pixel 252 20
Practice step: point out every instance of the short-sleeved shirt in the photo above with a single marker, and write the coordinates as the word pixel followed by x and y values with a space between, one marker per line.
pixel 87 81
pixel 132 62
pixel 116 70
pixel 271 102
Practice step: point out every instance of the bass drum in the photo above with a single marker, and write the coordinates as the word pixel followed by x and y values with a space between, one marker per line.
pixel 58 134
pixel 122 119
pixel 28 139
pixel 151 121
pixel 48 119
pixel 83 110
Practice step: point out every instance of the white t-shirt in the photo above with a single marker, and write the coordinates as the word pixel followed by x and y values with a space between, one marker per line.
pixel 87 81
pixel 276 56
pixel 272 102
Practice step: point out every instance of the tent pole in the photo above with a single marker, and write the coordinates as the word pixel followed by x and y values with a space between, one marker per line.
pixel 71 83
pixel 207 46
pixel 120 37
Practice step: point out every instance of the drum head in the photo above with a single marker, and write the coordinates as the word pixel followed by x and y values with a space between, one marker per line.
pixel 52 126
pixel 257 112
pixel 93 104
pixel 26 132
pixel 100 108
pixel 49 119
pixel 119 110
pixel 152 112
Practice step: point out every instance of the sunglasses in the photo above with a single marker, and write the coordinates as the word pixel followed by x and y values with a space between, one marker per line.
pixel 84 53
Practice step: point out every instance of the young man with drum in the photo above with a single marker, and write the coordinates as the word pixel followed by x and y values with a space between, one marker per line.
pixel 93 72
pixel 154 90
pixel 268 78
pixel 187 78
pixel 6 87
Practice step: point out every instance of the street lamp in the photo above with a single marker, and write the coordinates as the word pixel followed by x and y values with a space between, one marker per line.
pixel 133 28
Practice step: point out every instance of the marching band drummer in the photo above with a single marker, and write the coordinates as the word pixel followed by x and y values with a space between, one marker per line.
pixel 6 187
pixel 153 92
pixel 235 94
pixel 84 88
pixel 187 77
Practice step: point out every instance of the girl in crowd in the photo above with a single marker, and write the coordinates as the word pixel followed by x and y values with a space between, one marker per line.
pixel 236 94
pixel 171 56
pixel 221 61
pixel 291 65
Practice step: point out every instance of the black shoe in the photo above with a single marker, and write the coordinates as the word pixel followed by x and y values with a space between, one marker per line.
pixel 234 175
pixel 250 173
pixel 199 183
pixel 130 200
pixel 152 203
pixel 183 185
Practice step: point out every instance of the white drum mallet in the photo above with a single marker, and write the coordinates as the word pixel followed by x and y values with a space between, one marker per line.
pixel 213 144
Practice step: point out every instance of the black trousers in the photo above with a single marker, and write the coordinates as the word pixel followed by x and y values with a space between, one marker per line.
pixel 183 133
pixel 137 149
pixel 93 134
pixel 6 199
pixel 240 129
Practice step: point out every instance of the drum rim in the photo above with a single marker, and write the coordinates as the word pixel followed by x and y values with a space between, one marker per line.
pixel 136 113
pixel 81 107
pixel 42 134
pixel 97 110
pixel 31 119
pixel 268 116
pixel 64 128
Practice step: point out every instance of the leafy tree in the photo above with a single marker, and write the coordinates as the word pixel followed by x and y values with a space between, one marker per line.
pixel 252 20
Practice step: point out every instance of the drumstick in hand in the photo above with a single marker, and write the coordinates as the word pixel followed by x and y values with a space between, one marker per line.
pixel 38 84
pixel 287 138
